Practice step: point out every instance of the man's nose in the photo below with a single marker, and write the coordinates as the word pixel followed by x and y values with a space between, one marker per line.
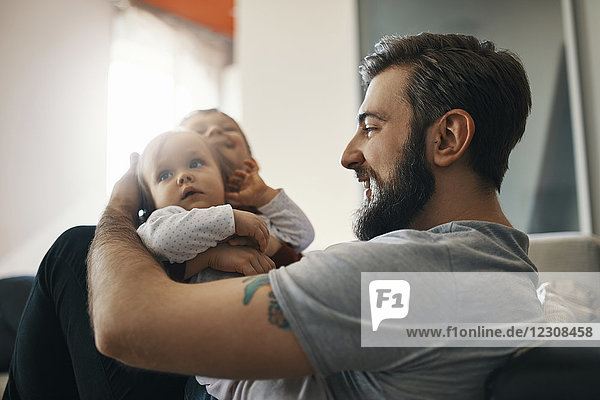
pixel 352 157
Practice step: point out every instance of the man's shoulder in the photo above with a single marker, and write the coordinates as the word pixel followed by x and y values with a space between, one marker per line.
pixel 437 247
pixel 398 250
pixel 452 233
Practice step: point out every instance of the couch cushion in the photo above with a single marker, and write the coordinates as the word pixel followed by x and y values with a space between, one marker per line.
pixel 548 373
pixel 562 252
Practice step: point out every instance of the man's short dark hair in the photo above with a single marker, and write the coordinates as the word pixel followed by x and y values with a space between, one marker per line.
pixel 457 71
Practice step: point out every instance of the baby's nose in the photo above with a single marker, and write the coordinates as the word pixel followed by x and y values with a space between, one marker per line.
pixel 184 178
pixel 213 131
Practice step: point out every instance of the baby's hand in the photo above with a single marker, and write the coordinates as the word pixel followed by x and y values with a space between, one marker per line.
pixel 248 224
pixel 248 187
pixel 242 259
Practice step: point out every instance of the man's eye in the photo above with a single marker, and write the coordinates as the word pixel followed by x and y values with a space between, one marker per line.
pixel 163 176
pixel 369 130
pixel 196 163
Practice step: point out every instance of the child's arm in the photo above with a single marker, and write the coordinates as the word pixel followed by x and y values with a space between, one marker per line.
pixel 178 235
pixel 288 223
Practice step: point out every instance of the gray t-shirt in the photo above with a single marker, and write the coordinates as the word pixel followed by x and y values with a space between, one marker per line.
pixel 320 297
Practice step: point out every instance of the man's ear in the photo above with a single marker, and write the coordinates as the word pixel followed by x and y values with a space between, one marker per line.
pixel 451 137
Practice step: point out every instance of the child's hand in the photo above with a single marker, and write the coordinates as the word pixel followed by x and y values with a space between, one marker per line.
pixel 242 259
pixel 252 226
pixel 248 187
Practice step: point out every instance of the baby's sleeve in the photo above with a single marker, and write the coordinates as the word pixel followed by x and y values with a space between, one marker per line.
pixel 177 235
pixel 287 222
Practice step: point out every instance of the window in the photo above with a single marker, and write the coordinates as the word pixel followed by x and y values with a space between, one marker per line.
pixel 161 68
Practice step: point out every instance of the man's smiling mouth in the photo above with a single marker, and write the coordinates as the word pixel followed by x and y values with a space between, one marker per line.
pixel 367 186
pixel 365 180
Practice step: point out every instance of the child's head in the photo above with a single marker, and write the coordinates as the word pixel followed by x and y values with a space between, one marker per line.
pixel 222 132
pixel 181 168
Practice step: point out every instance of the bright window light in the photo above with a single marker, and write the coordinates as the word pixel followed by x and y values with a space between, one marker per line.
pixel 160 70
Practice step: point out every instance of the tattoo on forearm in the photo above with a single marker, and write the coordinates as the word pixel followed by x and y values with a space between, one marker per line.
pixel 275 313
pixel 276 316
pixel 253 286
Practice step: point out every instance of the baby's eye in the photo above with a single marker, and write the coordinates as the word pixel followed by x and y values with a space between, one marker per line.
pixel 163 176
pixel 196 163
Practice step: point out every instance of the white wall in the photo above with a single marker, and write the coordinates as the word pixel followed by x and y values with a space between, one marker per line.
pixel 299 82
pixel 52 122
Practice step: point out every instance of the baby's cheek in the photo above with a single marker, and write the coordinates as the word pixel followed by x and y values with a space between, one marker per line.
pixel 236 158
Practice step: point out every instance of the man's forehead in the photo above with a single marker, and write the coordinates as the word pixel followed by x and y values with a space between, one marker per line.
pixel 384 93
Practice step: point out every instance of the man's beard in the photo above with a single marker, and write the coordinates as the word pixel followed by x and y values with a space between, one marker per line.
pixel 394 204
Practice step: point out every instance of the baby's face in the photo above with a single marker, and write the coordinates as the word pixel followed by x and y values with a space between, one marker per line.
pixel 182 171
pixel 223 133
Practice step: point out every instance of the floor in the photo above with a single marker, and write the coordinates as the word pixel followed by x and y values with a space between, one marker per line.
pixel 3 379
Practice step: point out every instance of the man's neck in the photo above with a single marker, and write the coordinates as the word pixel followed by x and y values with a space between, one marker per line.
pixel 461 203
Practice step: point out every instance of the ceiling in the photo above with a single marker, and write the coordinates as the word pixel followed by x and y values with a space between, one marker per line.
pixel 216 15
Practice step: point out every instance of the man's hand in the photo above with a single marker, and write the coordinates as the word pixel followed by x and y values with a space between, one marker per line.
pixel 248 187
pixel 272 248
pixel 251 225
pixel 242 259
pixel 125 197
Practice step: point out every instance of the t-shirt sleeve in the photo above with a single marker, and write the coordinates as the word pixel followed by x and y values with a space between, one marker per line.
pixel 321 298
pixel 177 235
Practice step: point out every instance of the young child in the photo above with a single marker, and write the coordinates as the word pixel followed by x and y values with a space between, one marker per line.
pixel 178 236
pixel 182 184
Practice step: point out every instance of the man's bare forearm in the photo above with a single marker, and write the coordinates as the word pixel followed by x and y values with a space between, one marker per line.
pixel 116 260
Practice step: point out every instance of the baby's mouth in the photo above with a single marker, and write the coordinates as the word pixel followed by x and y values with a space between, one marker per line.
pixel 189 192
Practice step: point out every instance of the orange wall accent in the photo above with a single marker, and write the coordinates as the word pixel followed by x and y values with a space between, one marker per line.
pixel 216 15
